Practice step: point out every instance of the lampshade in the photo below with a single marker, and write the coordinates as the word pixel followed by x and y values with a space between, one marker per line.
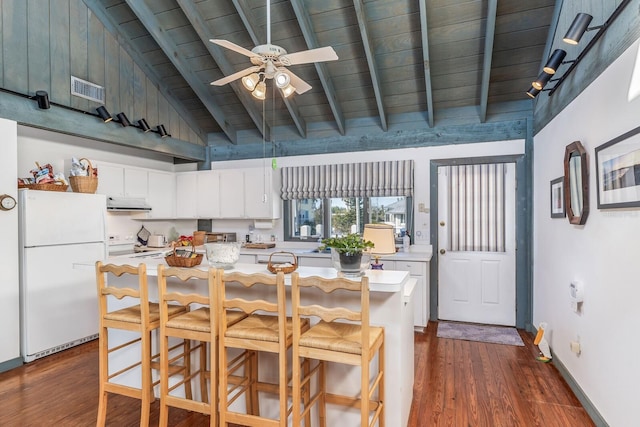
pixel 288 90
pixel 104 114
pixel 282 79
pixel 533 92
pixel 578 27
pixel 124 121
pixel 43 99
pixel 260 91
pixel 250 81
pixel 383 238
pixel 542 80
pixel 555 60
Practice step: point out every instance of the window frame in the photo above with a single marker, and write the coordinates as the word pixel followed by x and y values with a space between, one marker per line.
pixel 326 217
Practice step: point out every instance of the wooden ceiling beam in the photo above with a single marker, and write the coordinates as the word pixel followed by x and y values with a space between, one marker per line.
pixel 97 8
pixel 490 31
pixel 323 73
pixel 426 62
pixel 371 61
pixel 190 10
pixel 247 19
pixel 151 23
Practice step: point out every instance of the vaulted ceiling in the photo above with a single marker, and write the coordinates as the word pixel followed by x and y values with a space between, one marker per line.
pixel 402 63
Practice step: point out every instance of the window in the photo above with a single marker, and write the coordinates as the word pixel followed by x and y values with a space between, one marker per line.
pixel 315 219
pixel 332 200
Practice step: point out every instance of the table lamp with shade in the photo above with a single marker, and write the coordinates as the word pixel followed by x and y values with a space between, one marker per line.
pixel 384 241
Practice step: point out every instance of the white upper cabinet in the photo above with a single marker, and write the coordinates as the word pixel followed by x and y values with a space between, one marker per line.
pixel 232 190
pixel 161 194
pixel 186 195
pixel 208 199
pixel 136 183
pixel 260 198
pixel 110 180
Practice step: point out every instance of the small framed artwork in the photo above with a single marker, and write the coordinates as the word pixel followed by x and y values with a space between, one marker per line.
pixel 618 171
pixel 557 198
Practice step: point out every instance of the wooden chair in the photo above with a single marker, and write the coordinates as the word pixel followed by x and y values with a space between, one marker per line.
pixel 197 322
pixel 143 318
pixel 269 331
pixel 353 342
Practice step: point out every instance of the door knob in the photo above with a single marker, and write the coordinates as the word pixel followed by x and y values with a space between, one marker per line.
pixel 441 223
pixel 442 251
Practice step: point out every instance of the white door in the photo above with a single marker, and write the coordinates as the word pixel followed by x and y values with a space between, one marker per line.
pixel 476 243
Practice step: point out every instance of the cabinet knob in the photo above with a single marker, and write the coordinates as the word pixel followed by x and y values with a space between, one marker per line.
pixel 441 223
pixel 442 251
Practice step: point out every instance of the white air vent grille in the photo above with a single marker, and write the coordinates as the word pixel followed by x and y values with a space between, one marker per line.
pixel 87 90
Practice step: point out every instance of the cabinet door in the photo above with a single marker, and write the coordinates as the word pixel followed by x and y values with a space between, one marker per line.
pixel 186 195
pixel 258 194
pixel 208 196
pixel 418 271
pixel 231 199
pixel 314 261
pixel 135 183
pixel 161 194
pixel 110 180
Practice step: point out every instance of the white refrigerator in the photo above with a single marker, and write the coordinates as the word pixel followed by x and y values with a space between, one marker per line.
pixel 58 303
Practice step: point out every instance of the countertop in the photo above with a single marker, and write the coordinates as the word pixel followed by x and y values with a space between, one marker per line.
pixel 413 255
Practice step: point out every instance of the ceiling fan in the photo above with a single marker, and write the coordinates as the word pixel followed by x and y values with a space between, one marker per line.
pixel 270 62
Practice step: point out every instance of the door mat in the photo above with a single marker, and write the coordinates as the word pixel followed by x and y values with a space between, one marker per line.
pixel 482 333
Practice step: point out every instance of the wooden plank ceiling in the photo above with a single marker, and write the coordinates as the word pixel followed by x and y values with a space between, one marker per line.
pixel 398 59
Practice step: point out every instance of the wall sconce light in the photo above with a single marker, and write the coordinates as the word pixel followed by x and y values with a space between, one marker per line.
pixel 143 125
pixel 43 99
pixel 162 131
pixel 104 114
pixel 122 118
pixel 578 27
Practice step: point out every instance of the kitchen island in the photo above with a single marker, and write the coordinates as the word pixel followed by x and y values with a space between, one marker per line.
pixel 391 306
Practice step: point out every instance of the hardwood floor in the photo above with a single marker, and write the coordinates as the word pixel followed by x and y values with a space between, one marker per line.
pixel 457 383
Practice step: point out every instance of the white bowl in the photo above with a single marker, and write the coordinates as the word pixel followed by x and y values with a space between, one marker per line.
pixel 223 255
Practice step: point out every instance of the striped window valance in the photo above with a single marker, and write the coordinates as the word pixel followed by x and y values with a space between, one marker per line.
pixel 371 179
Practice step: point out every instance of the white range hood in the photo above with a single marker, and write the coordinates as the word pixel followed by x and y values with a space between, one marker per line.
pixel 124 204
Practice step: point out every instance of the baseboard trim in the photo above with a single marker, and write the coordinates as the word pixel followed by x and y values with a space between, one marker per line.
pixel 10 364
pixel 595 416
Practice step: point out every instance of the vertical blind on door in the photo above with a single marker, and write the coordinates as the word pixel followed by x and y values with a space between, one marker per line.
pixel 476 207
pixel 371 179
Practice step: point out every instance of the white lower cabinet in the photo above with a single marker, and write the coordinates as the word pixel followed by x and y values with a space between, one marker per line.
pixel 418 271
pixel 314 262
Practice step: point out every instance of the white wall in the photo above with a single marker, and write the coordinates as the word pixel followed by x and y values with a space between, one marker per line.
pixel 9 286
pixel 604 253
pixel 422 157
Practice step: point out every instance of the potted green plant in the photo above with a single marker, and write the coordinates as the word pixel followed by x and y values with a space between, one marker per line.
pixel 347 250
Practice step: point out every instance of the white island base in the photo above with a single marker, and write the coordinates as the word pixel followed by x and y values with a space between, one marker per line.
pixel 391 306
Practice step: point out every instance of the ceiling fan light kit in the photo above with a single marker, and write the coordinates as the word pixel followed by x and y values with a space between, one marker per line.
pixel 269 62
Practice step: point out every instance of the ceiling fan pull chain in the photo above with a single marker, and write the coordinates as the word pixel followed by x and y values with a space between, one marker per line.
pixel 268 21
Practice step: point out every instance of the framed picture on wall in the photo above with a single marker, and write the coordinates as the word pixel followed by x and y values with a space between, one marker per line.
pixel 618 171
pixel 557 198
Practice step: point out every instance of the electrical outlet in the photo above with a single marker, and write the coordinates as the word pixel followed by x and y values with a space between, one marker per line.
pixel 575 346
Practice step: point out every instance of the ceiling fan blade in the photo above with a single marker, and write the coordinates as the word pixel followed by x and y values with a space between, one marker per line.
pixel 300 85
pixel 236 76
pixel 320 54
pixel 234 47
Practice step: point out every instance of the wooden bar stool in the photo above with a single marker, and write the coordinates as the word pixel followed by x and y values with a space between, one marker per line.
pixel 353 342
pixel 142 317
pixel 269 331
pixel 197 322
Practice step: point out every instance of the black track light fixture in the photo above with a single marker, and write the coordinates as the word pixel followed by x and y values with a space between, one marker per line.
pixel 124 121
pixel 104 114
pixel 143 125
pixel 43 99
pixel 578 27
pixel 554 61
pixel 162 131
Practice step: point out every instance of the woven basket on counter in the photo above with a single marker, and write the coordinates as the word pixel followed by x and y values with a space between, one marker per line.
pixel 286 268
pixel 173 260
pixel 85 184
